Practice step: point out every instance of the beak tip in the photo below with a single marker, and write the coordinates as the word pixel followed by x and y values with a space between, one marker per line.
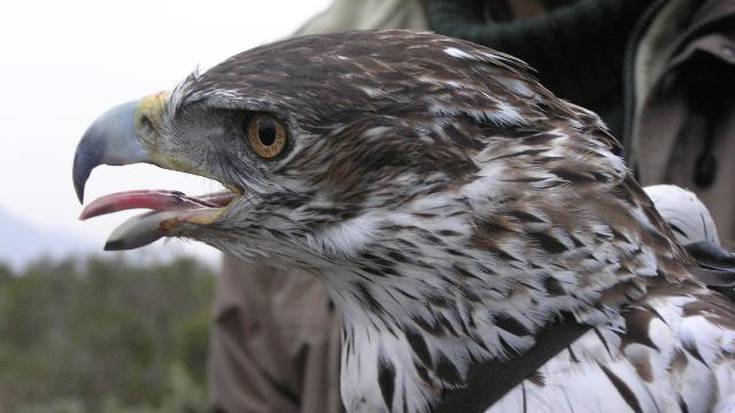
pixel 114 245
pixel 80 195
pixel 84 162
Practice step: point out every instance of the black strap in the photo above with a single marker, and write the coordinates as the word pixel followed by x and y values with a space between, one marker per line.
pixel 489 382
pixel 715 266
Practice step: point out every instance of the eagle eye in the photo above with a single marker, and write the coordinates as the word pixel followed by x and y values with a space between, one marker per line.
pixel 266 135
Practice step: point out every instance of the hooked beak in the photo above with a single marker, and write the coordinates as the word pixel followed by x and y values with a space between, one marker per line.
pixel 119 137
pixel 110 140
pixel 128 134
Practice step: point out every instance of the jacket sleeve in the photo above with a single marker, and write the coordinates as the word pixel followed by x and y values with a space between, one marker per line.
pixel 241 379
pixel 275 342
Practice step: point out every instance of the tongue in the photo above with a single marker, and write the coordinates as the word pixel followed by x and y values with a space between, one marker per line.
pixel 156 200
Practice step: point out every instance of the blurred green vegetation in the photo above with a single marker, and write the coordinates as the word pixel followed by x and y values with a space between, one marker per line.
pixel 104 335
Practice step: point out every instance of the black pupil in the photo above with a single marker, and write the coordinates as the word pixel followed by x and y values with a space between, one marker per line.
pixel 267 131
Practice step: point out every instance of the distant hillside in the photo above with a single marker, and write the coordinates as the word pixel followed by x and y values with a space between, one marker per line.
pixel 21 242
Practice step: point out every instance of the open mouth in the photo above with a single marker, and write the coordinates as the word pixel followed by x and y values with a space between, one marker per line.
pixel 125 135
pixel 169 210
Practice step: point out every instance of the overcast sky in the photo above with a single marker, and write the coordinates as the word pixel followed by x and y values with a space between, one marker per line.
pixel 64 62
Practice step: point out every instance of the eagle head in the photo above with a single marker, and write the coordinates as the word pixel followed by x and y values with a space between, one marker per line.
pixel 447 199
pixel 325 143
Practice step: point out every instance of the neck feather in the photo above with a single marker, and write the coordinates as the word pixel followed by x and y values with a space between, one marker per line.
pixel 406 340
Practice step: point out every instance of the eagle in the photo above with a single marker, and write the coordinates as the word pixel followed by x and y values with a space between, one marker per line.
pixel 467 223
